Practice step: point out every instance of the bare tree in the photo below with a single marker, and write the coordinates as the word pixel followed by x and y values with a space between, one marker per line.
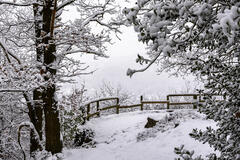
pixel 36 49
pixel 108 89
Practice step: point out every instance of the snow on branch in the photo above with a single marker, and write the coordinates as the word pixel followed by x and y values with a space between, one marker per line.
pixel 64 4
pixel 8 52
pixel 110 26
pixel 92 18
pixel 130 72
pixel 87 52
pixel 12 90
pixel 16 4
pixel 35 134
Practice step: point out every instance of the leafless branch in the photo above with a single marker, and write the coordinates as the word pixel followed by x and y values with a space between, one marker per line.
pixel 87 52
pixel 11 90
pixel 7 51
pixel 130 72
pixel 64 4
pixel 16 4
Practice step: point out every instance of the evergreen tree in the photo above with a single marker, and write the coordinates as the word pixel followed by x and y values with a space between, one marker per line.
pixel 199 37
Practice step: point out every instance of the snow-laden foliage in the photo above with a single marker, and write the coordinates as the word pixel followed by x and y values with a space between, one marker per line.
pixel 199 37
pixel 190 28
pixel 11 115
pixel 185 154
pixel 226 82
pixel 84 137
pixel 72 114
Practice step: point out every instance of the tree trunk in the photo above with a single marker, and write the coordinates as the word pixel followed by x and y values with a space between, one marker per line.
pixel 35 116
pixel 39 118
pixel 52 121
pixel 36 108
pixel 51 112
pixel 46 49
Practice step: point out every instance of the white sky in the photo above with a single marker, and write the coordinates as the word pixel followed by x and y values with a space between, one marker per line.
pixel 123 55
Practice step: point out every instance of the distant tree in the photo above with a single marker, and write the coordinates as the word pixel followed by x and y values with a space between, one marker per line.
pixel 107 89
pixel 203 38
pixel 37 47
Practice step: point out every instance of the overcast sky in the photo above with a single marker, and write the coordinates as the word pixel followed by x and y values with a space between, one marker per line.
pixel 123 55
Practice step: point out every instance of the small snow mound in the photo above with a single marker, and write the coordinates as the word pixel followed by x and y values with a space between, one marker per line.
pixel 169 121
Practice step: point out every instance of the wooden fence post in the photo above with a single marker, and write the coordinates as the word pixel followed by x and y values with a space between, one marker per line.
pixel 168 102
pixel 117 106
pixel 88 110
pixel 141 99
pixel 195 102
pixel 98 109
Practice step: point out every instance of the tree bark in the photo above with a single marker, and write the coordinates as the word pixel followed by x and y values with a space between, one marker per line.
pixel 45 54
pixel 51 112
pixel 36 108
pixel 35 116
pixel 37 95
pixel 52 122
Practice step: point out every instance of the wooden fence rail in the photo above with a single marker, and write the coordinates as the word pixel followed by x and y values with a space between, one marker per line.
pixel 196 98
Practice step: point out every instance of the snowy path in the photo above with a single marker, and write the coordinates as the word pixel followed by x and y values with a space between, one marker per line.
pixel 116 138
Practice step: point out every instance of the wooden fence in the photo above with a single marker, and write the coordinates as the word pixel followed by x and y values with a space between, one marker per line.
pixel 196 98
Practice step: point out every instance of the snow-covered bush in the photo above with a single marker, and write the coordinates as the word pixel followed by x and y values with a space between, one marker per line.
pixel 185 154
pixel 73 114
pixel 203 38
pixel 84 138
pixel 225 80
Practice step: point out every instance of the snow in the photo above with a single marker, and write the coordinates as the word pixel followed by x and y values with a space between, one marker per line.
pixel 116 137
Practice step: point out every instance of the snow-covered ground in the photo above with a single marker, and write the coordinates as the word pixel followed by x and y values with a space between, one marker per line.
pixel 116 137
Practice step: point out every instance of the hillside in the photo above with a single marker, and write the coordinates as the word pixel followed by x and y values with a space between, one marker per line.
pixel 123 136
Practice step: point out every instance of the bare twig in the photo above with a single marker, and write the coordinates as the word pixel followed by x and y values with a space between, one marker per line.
pixel 7 51
pixel 16 4
pixel 11 90
pixel 131 72
pixel 64 4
